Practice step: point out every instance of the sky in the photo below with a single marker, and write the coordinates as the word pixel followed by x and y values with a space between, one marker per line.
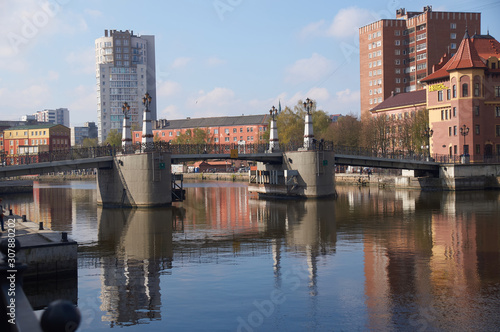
pixel 213 57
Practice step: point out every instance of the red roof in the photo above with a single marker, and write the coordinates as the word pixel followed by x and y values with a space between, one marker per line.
pixel 472 53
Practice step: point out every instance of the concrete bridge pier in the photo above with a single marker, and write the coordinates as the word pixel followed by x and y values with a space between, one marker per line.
pixel 308 174
pixel 136 180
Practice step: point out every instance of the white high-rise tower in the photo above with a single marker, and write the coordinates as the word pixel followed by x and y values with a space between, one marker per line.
pixel 125 71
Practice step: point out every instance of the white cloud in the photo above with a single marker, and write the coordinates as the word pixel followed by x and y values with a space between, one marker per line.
pixel 169 112
pixel 52 75
pixel 308 70
pixel 168 88
pixel 93 13
pixel 215 61
pixel 217 102
pixel 82 61
pixel 313 29
pixel 348 20
pixel 181 62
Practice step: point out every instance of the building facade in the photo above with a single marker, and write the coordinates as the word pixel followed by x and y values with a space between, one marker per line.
pixel 57 116
pixel 395 54
pixel 78 134
pixel 27 140
pixel 239 130
pixel 125 71
pixel 463 99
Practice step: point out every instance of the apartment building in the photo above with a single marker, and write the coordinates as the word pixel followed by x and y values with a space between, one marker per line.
pixel 125 71
pixel 395 54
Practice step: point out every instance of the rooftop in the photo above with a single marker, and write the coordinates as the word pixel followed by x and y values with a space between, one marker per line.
pixel 226 121
pixel 402 100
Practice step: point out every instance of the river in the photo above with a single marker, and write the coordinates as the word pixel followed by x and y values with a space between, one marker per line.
pixel 372 259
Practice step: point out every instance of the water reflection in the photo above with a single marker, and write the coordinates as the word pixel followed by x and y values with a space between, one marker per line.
pixel 377 259
pixel 140 241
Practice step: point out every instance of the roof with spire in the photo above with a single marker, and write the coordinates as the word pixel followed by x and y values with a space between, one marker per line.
pixel 472 53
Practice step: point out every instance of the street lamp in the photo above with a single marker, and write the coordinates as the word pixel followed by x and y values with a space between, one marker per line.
pixel 126 135
pixel 428 134
pixel 464 131
pixel 308 128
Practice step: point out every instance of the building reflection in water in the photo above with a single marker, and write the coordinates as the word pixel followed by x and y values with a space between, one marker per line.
pixel 140 243
pixel 428 268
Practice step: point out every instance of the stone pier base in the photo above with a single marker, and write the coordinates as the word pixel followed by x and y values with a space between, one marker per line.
pixel 136 180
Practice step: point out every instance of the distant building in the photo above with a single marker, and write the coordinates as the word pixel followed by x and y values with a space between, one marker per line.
pixel 32 139
pixel 78 134
pixel 57 116
pixel 125 71
pixel 230 129
pixel 462 92
pixel 335 117
pixel 396 54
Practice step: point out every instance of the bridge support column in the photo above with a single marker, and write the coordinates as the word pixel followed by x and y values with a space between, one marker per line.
pixel 305 174
pixel 137 180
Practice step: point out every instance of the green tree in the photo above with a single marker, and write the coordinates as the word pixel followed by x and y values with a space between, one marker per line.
pixel 194 136
pixel 114 138
pixel 89 142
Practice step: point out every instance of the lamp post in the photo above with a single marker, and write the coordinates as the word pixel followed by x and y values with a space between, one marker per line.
pixel 464 131
pixel 147 129
pixel 308 128
pixel 126 135
pixel 428 134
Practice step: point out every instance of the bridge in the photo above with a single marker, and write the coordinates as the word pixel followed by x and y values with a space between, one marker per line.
pixel 102 157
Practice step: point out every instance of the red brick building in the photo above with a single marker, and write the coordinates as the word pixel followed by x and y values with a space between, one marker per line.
pixel 395 54
pixel 465 91
pixel 241 130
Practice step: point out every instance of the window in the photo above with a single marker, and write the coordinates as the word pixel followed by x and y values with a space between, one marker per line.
pixel 454 130
pixel 226 139
pixel 448 94
pixel 453 46
pixel 216 131
pixel 497 91
pixel 477 129
pixel 455 149
pixel 454 112
pixel 397 61
pixel 453 25
pixel 440 95
pixel 170 133
pixel 398 70
pixel 476 90
pixel 397 32
pixel 234 130
pixel 163 134
pixel 476 110
pixel 442 115
pixel 449 131
pixel 497 111
pixel 465 90
pixel 454 91
pixel 398 80
pixel 397 42
pixel 478 148
pixel 226 130
pixel 497 131
pixel 453 35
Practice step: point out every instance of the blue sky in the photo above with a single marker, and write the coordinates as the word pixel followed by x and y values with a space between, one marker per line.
pixel 213 57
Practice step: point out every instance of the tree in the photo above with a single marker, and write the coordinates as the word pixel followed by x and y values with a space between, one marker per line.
pixel 89 142
pixel 114 138
pixel 347 131
pixel 195 136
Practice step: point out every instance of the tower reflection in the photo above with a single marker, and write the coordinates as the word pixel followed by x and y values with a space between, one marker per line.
pixel 140 247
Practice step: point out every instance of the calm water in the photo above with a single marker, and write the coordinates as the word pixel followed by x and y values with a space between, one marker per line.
pixel 373 259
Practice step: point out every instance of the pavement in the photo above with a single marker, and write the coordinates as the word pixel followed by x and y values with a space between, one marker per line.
pixel 28 233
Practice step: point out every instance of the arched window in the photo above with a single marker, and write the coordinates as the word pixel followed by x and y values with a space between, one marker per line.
pixel 454 91
pixel 465 90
